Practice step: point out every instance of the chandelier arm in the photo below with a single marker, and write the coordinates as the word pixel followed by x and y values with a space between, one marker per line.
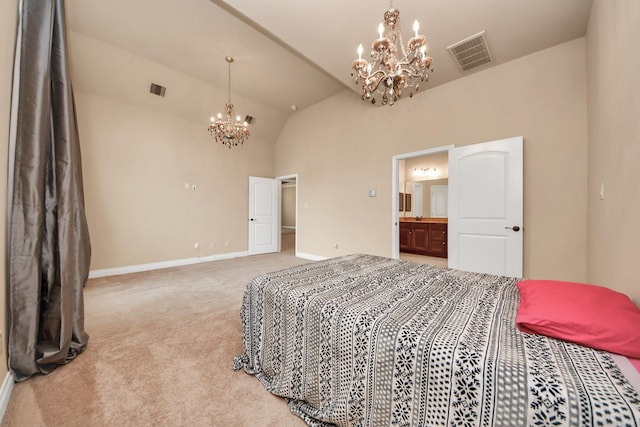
pixel 377 81
pixel 410 71
pixel 376 73
pixel 375 87
pixel 361 74
pixel 413 73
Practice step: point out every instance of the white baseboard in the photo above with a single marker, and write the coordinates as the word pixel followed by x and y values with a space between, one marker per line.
pixel 163 264
pixel 289 227
pixel 311 257
pixel 5 393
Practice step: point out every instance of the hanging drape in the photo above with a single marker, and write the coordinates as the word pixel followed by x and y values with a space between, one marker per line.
pixel 49 249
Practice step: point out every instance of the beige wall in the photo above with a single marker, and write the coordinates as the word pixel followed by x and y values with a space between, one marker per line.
pixel 613 61
pixel 8 17
pixel 541 97
pixel 139 151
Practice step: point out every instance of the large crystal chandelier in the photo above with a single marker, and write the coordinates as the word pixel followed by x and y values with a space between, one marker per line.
pixel 224 129
pixel 389 73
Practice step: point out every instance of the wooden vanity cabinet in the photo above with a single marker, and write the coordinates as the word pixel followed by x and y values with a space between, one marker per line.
pixel 438 240
pixel 405 237
pixel 420 238
pixel 423 238
pixel 414 237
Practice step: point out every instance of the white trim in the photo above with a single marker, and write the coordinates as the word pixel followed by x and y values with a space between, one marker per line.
pixel 311 257
pixel 163 264
pixel 5 393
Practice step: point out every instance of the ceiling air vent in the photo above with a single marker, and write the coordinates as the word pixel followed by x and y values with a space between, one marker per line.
pixel 471 52
pixel 157 89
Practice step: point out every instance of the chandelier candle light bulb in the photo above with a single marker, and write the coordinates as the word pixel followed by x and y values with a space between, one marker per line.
pixel 393 66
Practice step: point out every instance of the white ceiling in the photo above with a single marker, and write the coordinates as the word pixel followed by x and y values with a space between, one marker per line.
pixel 293 52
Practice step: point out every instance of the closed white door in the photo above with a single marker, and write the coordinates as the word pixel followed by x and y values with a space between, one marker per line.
pixel 485 207
pixel 264 215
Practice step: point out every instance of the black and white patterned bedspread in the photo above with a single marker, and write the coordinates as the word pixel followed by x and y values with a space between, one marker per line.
pixel 362 340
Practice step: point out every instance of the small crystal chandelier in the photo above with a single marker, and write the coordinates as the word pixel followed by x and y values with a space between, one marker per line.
pixel 227 132
pixel 386 74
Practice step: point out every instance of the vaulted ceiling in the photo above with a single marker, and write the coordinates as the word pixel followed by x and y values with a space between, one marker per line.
pixel 300 52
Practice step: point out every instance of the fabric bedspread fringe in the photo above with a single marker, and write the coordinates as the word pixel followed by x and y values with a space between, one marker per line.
pixel 243 361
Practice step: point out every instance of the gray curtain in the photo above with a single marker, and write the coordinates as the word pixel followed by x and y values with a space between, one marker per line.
pixel 49 249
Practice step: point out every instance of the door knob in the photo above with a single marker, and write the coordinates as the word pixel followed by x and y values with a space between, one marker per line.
pixel 514 228
pixel 251 219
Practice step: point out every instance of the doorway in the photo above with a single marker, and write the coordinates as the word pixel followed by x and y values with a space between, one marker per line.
pixel 414 174
pixel 288 214
pixel 483 230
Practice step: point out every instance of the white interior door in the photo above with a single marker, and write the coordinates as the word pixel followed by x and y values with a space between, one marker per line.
pixel 264 215
pixel 485 207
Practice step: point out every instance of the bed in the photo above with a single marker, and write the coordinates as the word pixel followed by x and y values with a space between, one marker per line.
pixel 362 340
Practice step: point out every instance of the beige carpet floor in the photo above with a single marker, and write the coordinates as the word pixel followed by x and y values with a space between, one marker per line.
pixel 160 353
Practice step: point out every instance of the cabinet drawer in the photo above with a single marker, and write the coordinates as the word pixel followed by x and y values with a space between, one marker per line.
pixel 438 240
pixel 439 227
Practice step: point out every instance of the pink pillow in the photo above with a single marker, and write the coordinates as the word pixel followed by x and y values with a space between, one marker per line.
pixel 590 315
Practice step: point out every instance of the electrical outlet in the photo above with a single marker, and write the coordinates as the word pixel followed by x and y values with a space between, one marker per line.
pixel 194 187
pixel 227 243
pixel 196 245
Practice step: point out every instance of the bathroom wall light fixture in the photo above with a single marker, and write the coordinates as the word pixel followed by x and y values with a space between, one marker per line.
pixel 428 172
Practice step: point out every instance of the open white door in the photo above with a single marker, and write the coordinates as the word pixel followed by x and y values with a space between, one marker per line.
pixel 264 215
pixel 485 207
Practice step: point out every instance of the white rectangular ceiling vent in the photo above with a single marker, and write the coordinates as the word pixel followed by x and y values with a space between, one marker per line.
pixel 471 52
